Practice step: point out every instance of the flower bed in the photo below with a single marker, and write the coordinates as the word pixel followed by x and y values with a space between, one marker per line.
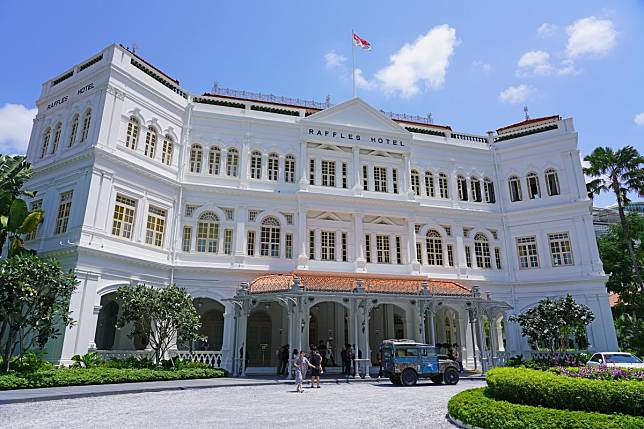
pixel 475 407
pixel 601 373
pixel 99 375
pixel 548 389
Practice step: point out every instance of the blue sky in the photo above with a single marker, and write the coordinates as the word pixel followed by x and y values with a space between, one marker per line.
pixel 473 65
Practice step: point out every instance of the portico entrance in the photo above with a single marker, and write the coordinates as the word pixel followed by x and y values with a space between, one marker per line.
pixel 308 310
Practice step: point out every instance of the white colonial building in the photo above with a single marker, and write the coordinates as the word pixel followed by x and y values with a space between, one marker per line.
pixel 292 222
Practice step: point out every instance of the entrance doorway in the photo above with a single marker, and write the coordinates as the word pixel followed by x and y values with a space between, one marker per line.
pixel 259 339
pixel 328 330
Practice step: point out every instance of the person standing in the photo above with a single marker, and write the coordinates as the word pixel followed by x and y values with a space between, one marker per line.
pixel 316 368
pixel 301 366
pixel 343 357
pixel 329 351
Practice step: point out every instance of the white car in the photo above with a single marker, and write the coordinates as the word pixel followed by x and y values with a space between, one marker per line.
pixel 615 359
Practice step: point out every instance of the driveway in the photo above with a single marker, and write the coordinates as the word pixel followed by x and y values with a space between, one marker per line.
pixel 334 405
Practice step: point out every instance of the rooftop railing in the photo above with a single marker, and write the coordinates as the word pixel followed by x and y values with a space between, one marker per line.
pixel 270 98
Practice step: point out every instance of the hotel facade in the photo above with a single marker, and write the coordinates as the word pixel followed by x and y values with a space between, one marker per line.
pixel 296 222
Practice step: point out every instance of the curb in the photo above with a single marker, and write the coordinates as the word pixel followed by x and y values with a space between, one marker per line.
pixel 151 389
pixel 459 423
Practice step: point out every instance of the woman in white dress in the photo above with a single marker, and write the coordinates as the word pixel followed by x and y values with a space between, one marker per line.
pixel 301 366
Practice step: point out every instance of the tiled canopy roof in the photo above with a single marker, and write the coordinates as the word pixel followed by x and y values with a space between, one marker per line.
pixel 339 282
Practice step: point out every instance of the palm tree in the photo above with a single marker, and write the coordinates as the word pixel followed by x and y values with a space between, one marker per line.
pixel 618 171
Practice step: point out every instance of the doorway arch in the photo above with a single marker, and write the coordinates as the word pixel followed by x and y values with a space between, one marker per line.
pixel 211 316
pixel 259 339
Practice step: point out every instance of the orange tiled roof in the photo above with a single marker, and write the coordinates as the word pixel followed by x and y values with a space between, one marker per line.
pixel 528 122
pixel 347 282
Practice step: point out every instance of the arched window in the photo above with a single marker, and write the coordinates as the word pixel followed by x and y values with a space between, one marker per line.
pixel 151 142
pixel 232 162
pixel 208 233
pixel 273 166
pixel 45 142
pixel 489 191
pixel 214 160
pixel 132 134
pixel 196 155
pixel 443 186
pixel 482 251
pixel 552 181
pixel 415 182
pixel 58 129
pixel 429 184
pixel 289 169
pixel 534 191
pixel 167 150
pixel 515 188
pixel 270 237
pixel 87 118
pixel 73 131
pixel 462 188
pixel 475 185
pixel 434 248
pixel 256 165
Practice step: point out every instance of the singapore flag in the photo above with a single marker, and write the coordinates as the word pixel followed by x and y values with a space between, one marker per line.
pixel 360 42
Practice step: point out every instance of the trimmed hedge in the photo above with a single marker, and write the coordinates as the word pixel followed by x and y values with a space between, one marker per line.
pixel 547 389
pixel 85 376
pixel 476 408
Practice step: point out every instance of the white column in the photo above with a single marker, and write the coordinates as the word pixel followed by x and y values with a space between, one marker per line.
pixel 290 311
pixel 356 337
pixel 421 321
pixel 357 169
pixel 493 339
pixel 393 254
pixel 302 237
pixel 338 246
pixel 406 175
pixel 304 166
pixel 366 353
pixel 244 164
pixel 432 328
pixel 243 331
pixel 414 258
pixel 390 181
pixel 228 346
pixel 79 337
pixel 358 245
pixel 240 234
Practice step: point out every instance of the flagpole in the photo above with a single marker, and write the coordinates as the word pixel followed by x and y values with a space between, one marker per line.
pixel 353 55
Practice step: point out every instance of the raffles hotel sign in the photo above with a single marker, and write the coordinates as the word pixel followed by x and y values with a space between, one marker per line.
pixel 354 137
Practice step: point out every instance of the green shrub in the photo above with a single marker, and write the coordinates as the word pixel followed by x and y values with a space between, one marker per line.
pixel 477 408
pixel 132 362
pixel 88 360
pixel 99 375
pixel 547 389
pixel 30 362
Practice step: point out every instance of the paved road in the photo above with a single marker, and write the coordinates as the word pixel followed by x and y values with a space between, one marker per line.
pixel 334 405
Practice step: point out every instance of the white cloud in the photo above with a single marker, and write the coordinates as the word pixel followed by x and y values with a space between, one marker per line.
pixel 546 29
pixel 639 119
pixel 362 82
pixel 332 59
pixel 516 94
pixel 424 61
pixel 15 127
pixel 591 37
pixel 535 62
pixel 484 67
pixel 568 68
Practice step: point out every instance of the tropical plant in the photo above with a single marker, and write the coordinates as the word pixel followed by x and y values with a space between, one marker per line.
pixel 551 323
pixel 619 172
pixel 158 315
pixel 88 360
pixel 34 303
pixel 15 217
pixel 630 333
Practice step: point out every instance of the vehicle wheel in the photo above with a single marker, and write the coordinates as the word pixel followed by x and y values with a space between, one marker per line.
pixel 450 376
pixel 395 380
pixel 408 377
pixel 437 379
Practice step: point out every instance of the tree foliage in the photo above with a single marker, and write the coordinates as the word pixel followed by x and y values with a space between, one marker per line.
pixel 551 323
pixel 615 257
pixel 15 218
pixel 159 316
pixel 34 303
pixel 619 172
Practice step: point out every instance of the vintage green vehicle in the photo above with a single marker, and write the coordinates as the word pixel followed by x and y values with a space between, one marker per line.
pixel 405 361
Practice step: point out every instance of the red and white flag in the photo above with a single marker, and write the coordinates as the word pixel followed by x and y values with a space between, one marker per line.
pixel 360 42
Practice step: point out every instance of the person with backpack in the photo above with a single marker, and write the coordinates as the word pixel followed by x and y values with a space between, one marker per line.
pixel 316 368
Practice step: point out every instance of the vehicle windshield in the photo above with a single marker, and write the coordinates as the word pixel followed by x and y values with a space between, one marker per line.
pixel 622 359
